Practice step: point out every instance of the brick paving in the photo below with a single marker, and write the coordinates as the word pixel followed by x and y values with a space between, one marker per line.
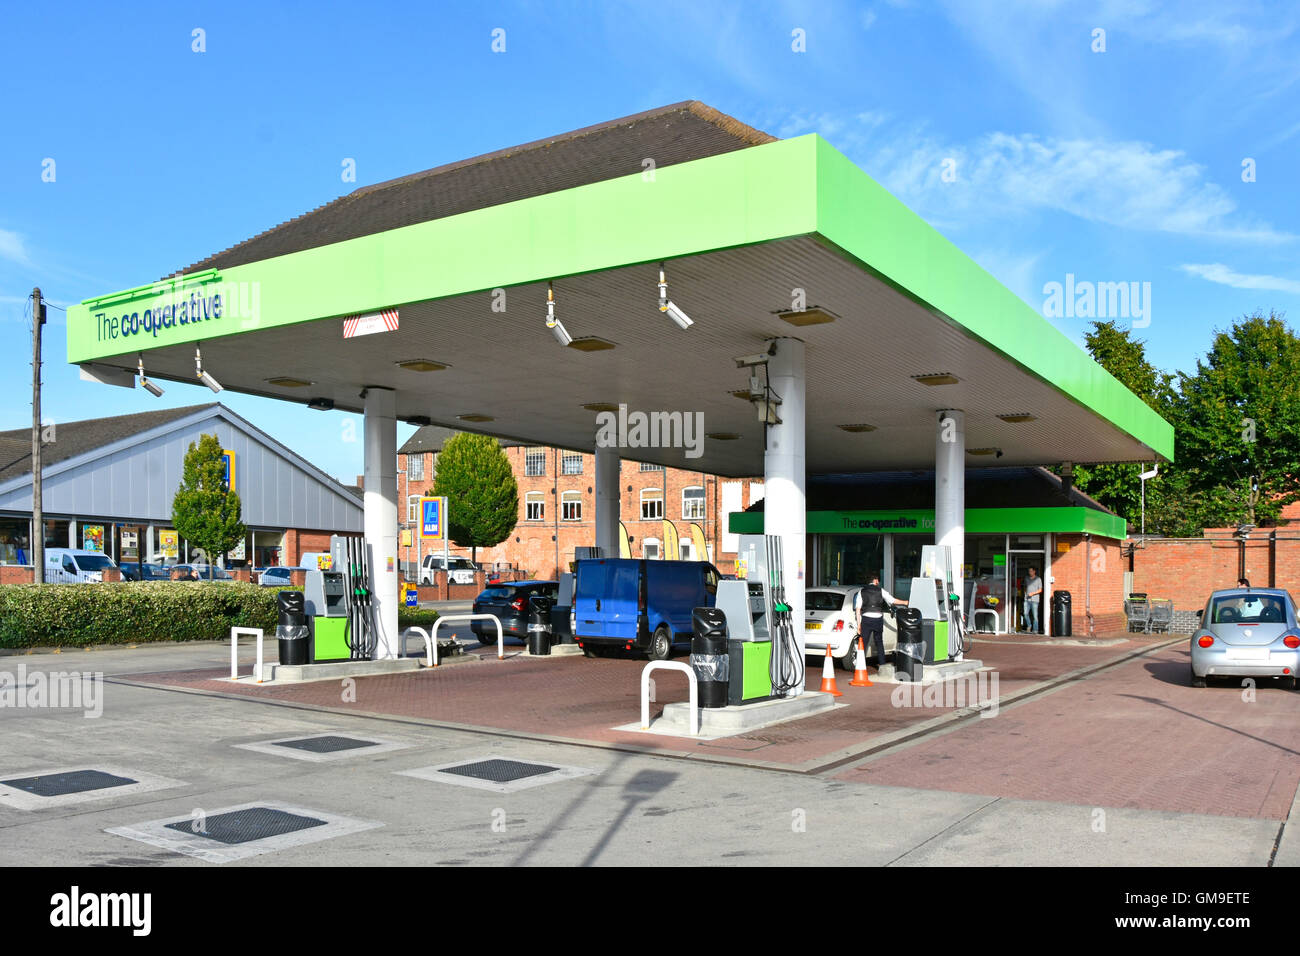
pixel 584 699
pixel 1137 735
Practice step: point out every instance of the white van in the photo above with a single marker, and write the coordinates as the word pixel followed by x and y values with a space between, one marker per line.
pixel 73 566
pixel 461 569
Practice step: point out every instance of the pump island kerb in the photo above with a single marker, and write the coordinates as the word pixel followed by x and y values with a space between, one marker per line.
pixel 695 264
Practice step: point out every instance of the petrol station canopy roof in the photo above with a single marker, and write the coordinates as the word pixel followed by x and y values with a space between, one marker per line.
pixel 761 238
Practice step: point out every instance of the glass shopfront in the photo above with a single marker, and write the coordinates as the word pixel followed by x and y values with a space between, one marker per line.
pixel 850 558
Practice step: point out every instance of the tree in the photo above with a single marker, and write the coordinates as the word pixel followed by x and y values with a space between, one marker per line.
pixel 1239 423
pixel 1117 486
pixel 204 510
pixel 482 495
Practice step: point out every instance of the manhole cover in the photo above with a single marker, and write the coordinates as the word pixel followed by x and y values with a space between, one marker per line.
pixel 245 826
pixel 73 781
pixel 326 745
pixel 500 771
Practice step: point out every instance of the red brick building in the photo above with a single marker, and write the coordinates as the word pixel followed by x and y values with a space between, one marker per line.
pixel 557 506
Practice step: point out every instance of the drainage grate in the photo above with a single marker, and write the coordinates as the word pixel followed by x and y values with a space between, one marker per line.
pixel 326 745
pixel 245 826
pixel 72 781
pixel 500 771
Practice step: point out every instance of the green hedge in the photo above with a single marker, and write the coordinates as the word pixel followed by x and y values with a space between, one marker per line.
pixel 72 615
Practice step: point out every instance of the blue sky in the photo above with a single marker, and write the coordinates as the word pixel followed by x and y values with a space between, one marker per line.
pixel 997 121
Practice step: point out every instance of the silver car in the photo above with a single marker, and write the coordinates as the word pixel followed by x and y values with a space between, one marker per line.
pixel 1247 632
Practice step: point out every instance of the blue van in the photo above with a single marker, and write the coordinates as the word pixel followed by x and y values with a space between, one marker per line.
pixel 635 604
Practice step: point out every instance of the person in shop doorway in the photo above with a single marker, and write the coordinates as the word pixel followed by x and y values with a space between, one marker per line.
pixel 869 610
pixel 1033 598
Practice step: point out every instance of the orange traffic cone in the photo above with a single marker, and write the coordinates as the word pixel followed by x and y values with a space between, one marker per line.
pixel 828 675
pixel 860 676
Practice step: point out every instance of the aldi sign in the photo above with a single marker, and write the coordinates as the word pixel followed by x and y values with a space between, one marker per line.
pixel 433 519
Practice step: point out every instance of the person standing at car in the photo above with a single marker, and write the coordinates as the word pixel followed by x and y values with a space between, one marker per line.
pixel 869 611
pixel 1033 597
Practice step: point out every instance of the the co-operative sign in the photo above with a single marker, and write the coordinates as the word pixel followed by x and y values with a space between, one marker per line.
pixel 192 300
pixel 181 310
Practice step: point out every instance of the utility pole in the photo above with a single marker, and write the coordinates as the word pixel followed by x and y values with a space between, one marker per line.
pixel 38 519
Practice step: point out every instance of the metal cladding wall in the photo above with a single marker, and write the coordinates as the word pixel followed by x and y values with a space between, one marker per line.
pixel 139 480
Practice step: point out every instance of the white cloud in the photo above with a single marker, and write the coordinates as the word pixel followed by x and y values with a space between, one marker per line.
pixel 1129 184
pixel 13 248
pixel 1218 272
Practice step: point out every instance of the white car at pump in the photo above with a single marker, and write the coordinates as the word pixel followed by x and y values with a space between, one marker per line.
pixel 829 619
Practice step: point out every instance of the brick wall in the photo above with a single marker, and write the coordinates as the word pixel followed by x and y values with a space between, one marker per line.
pixel 297 542
pixel 1188 569
pixel 546 546
pixel 1094 576
pixel 16 574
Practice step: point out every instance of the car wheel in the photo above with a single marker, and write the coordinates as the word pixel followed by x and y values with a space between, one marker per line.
pixel 661 645
pixel 1198 681
pixel 846 662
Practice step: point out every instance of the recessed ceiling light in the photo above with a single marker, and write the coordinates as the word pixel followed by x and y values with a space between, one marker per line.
pixel 857 428
pixel 422 365
pixel 590 344
pixel 813 316
pixel 475 417
pixel 284 381
pixel 1019 417
pixel 937 378
pixel 600 407
pixel 723 436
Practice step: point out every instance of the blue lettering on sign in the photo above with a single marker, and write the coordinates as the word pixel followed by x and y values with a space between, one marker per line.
pixel 184 310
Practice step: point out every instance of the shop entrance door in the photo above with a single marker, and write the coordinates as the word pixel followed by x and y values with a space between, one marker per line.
pixel 1018 565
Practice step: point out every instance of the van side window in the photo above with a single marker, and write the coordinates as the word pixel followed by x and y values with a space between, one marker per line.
pixel 711 580
pixel 68 564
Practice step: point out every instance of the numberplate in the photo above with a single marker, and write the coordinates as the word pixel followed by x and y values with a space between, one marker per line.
pixel 1248 654
pixel 813 626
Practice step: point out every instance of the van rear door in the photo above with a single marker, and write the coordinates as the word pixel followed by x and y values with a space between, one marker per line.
pixel 605 596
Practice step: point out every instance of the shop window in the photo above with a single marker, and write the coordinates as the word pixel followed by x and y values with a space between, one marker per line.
pixel 571 506
pixel 693 503
pixel 652 504
pixel 534 462
pixel 534 506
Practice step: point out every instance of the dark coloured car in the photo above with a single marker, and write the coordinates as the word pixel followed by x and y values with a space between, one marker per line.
pixel 508 600
pixel 134 571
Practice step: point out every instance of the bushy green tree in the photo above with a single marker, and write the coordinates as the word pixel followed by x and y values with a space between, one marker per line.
pixel 204 510
pixel 1117 486
pixel 1239 423
pixel 482 495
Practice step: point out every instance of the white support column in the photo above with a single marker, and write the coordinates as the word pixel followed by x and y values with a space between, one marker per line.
pixel 607 501
pixel 950 489
pixel 783 473
pixel 380 495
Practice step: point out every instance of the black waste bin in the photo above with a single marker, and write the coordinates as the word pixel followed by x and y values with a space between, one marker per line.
pixel 709 657
pixel 561 625
pixel 1062 615
pixel 909 656
pixel 539 624
pixel 291 627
